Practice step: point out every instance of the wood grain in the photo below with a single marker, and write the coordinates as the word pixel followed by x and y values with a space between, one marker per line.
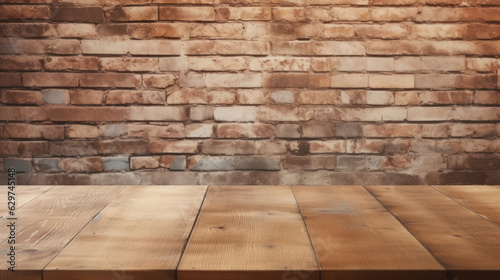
pixel 484 200
pixel 467 245
pixel 48 223
pixel 24 194
pixel 139 235
pixel 249 232
pixel 356 238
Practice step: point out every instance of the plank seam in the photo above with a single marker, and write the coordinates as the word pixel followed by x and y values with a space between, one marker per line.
pixel 90 220
pixel 464 206
pixel 190 232
pixel 423 245
pixel 307 232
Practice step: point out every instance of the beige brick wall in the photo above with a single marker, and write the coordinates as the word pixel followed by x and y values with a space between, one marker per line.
pixel 250 92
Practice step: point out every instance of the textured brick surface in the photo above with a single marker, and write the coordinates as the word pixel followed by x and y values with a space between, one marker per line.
pixel 250 92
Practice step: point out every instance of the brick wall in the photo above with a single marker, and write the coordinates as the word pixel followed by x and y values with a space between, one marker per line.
pixel 250 91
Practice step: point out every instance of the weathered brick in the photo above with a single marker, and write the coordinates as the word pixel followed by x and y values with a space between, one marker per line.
pixel 226 47
pixel 435 81
pixel 116 163
pixel 159 80
pixel 46 165
pixel 71 63
pixel 271 147
pixel 483 64
pixel 349 81
pixel 383 31
pixel 338 48
pixel 21 165
pixel 487 97
pixel 439 31
pixel 24 148
pixel 76 30
pixel 473 130
pixel 105 80
pixel 144 162
pixel 441 130
pixel 172 130
pixel 338 31
pixel 430 113
pixel 86 97
pixel 85 114
pixel 81 131
pixel 288 131
pixel 393 14
pixel 247 13
pixel 391 81
pixel 310 163
pixel 406 98
pixel 317 97
pixel 443 63
pixel 201 113
pixel 216 63
pixel 445 97
pixel 295 80
pixel 173 147
pixel 50 80
pixel 86 164
pixel 317 129
pixel 235 114
pixel 134 13
pixel 218 30
pixel 125 146
pixel 252 96
pixel 244 131
pixel 55 96
pixel 135 97
pixel 280 64
pixel 145 113
pixel 390 130
pixel 406 64
pixel 17 113
pixel 379 97
pixel 198 163
pixel 228 147
pixel 187 13
pixel 73 148
pixel 129 64
pixel 24 12
pixel 199 130
pixel 348 130
pixel 476 81
pixel 27 131
pixel 385 64
pixel 26 29
pixel 476 113
pixel 282 96
pixel 350 14
pixel 326 147
pixel 20 97
pixel 233 80
pixel 284 113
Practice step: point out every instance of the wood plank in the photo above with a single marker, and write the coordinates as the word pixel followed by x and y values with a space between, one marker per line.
pixel 46 224
pixel 24 194
pixel 248 232
pixel 139 235
pixel 356 238
pixel 484 200
pixel 467 245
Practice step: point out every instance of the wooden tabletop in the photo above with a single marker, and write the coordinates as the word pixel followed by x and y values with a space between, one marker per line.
pixel 252 232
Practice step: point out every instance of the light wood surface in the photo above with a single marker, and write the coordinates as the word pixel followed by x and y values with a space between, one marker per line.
pixel 356 238
pixel 23 195
pixel 249 232
pixel 140 235
pixel 48 223
pixel 467 245
pixel 484 200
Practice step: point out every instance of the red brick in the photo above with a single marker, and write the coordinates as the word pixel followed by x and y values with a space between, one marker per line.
pixel 290 14
pixel 441 130
pixel 23 63
pixel 393 2
pixel 370 146
pixel 17 113
pixel 393 13
pixel 476 81
pixel 131 13
pixel 252 96
pixel 50 79
pixel 86 97
pixel 23 148
pixel 190 96
pixel 384 31
pixel 86 164
pixel 125 146
pixel 173 147
pixel 476 130
pixel 135 97
pixel 27 131
pixel 199 130
pixel 24 12
pixel 432 63
pixel 145 162
pixel 350 14
pixel 86 114
pixel 406 98
pixel 483 64
pixel 246 13
pixel 187 13
pixel 10 80
pixel 129 64
pixel 338 31
pixel 172 130
pixel 439 31
pixel 81 131
pixel 244 131
pixel 21 97
pixel 296 80
pixel 218 30
pixel 159 80
pixel 112 80
pixel 77 14
pixel 390 130
pixel 154 47
pixel 444 14
pixel 338 48
pixel 71 63
pixel 28 30
pixel 310 163
pixel 317 129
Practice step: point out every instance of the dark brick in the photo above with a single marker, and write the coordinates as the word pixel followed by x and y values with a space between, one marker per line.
pixel 77 14
pixel 348 130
